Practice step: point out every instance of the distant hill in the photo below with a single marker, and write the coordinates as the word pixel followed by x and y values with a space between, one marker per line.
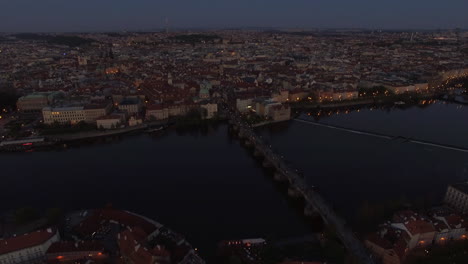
pixel 71 41
pixel 195 38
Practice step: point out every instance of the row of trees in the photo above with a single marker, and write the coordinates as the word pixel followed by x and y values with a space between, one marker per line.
pixel 71 41
pixel 27 215
pixel 58 128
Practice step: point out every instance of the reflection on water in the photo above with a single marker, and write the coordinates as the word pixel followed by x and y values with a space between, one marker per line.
pixel 201 183
pixel 353 170
pixel 206 185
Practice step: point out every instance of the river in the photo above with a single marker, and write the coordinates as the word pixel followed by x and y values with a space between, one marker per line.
pixel 353 170
pixel 203 184
pixel 207 186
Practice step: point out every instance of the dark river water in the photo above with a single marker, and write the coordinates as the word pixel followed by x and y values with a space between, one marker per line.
pixel 207 186
pixel 351 169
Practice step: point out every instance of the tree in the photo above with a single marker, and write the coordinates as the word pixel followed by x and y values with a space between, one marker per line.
pixel 234 260
pixel 53 215
pixel 203 113
pixel 7 100
pixel 25 215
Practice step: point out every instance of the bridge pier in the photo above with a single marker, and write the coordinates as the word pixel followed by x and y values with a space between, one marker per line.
pixel 257 153
pixel 242 134
pixel 279 177
pixel 267 164
pixel 309 210
pixel 294 193
pixel 315 206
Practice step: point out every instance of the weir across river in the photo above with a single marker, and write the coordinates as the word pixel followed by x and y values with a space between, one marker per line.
pixel 385 136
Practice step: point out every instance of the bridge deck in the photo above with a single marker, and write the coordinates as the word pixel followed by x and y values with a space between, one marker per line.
pixel 312 198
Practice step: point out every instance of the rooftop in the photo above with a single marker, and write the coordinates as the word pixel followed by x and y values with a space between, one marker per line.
pixel 26 241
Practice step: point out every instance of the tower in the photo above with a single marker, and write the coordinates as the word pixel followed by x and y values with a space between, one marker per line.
pixel 166 23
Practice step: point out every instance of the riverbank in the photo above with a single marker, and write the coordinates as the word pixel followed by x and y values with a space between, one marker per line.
pixel 381 100
pixel 265 123
pixel 50 142
pixel 96 134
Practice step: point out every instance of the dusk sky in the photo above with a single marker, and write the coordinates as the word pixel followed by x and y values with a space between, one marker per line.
pixel 97 15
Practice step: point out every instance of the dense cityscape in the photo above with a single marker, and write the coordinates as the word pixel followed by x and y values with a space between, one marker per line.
pixel 250 145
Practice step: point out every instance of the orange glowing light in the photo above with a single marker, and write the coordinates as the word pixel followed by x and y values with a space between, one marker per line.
pixel 60 257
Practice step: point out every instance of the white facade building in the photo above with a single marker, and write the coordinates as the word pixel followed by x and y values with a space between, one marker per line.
pixel 63 115
pixel 28 248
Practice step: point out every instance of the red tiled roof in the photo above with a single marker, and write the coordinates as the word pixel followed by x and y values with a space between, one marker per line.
pixel 131 247
pixel 400 248
pixel 160 252
pixel 439 225
pixel 26 241
pixel 379 241
pixel 419 227
pixel 96 218
pixel 454 221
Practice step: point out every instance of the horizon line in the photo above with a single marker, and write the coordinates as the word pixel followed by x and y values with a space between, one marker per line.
pixel 304 29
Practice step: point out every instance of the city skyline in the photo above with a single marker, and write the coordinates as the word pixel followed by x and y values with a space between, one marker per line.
pixel 119 15
pixel 259 131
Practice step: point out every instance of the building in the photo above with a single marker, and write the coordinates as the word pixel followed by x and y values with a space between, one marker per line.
pixel 158 112
pixel 420 231
pixel 204 93
pixel 75 114
pixel 281 96
pixel 96 219
pixel 386 251
pixel 262 107
pixel 339 95
pixel 27 248
pixel 31 103
pixel 410 230
pixel 280 113
pixel 211 109
pixel 162 111
pixel 131 105
pixel 64 115
pixel 82 61
pixel 401 89
pixel 457 197
pixel 67 251
pixel 36 101
pixel 297 95
pixel 135 121
pixel 110 121
pixel 247 250
pixel 244 102
pixel 134 248
pixel 94 111
pixel 449 227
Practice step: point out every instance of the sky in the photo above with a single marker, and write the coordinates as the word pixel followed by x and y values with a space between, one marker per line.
pixel 118 15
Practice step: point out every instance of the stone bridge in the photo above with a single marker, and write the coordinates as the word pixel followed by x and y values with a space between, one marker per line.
pixel 298 187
